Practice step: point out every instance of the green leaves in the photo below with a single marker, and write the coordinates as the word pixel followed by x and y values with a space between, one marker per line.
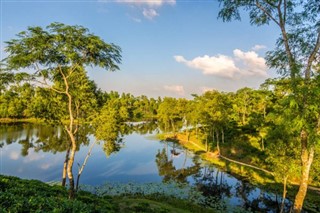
pixel 61 45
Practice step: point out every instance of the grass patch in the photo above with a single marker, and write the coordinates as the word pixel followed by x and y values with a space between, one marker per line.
pixel 18 195
pixel 21 120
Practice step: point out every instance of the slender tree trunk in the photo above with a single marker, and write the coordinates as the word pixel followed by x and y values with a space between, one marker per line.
pixel 84 164
pixel 213 136
pixel 218 145
pixel 65 164
pixel 173 128
pixel 217 176
pixel 185 159
pixel 206 143
pixel 70 130
pixel 284 193
pixel 306 161
pixel 70 166
pixel 222 136
pixel 262 143
pixel 197 130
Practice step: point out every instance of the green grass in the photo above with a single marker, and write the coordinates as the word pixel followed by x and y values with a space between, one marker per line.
pixel 20 120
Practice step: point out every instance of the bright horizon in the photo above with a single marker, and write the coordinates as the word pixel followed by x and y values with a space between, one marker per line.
pixel 169 48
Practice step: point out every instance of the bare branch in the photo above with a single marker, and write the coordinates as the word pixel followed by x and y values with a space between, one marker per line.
pixel 45 84
pixel 312 57
pixel 285 10
pixel 72 70
pixel 270 3
pixel 266 12
pixel 77 116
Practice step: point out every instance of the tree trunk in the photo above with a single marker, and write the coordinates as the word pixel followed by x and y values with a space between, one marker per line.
pixel 65 164
pixel 185 159
pixel 218 145
pixel 70 166
pixel 206 143
pixel 222 136
pixel 197 130
pixel 70 130
pixel 84 164
pixel 284 193
pixel 173 128
pixel 306 161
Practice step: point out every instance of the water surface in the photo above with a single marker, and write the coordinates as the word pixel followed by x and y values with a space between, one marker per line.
pixel 38 152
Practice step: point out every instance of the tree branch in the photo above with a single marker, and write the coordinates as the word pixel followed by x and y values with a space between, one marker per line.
pixel 77 116
pixel 312 57
pixel 271 4
pixel 69 99
pixel 266 12
pixel 285 10
pixel 48 86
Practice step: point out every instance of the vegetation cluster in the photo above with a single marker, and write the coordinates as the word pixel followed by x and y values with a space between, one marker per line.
pixel 276 127
pixel 19 195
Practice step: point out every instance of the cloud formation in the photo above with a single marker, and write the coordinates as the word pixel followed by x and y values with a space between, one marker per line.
pixel 149 13
pixel 149 3
pixel 14 155
pixel 253 64
pixel 258 47
pixel 149 7
pixel 241 64
pixel 177 89
pixel 220 65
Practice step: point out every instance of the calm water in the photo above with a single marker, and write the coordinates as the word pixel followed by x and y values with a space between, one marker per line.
pixel 37 152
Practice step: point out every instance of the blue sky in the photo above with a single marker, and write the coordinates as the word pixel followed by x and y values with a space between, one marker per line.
pixel 169 48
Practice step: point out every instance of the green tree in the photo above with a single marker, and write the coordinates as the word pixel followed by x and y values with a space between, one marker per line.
pixel 170 113
pixel 57 57
pixel 296 55
pixel 6 77
pixel 214 115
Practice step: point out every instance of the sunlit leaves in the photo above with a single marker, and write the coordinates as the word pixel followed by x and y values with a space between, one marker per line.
pixel 61 45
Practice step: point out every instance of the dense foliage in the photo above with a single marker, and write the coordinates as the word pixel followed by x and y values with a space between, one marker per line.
pixel 276 127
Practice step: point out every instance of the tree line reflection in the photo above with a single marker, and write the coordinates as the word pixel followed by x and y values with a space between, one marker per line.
pixel 215 185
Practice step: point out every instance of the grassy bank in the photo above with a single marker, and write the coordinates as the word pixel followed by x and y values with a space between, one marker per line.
pixel 20 120
pixel 193 144
pixel 257 176
pixel 18 195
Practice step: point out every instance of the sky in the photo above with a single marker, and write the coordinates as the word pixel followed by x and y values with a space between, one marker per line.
pixel 169 47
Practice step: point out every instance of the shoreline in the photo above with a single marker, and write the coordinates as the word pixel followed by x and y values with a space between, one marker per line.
pixel 231 166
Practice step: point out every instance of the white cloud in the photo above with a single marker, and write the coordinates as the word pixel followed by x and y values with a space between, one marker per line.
pixel 14 155
pixel 148 6
pixel 149 3
pixel 178 89
pixel 135 19
pixel 33 156
pixel 149 13
pixel 220 65
pixel 143 169
pixel 258 47
pixel 253 64
pixel 241 64
pixel 45 166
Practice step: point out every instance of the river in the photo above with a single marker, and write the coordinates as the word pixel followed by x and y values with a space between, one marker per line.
pixel 34 151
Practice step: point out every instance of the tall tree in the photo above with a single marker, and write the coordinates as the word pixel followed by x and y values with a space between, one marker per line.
pixel 57 57
pixel 296 55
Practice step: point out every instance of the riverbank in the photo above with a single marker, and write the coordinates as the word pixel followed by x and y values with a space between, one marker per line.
pixel 18 195
pixel 242 168
pixel 20 120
